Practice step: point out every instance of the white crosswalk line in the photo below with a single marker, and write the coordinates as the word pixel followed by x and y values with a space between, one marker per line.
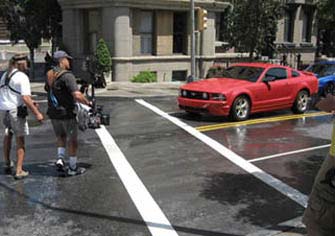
pixel 275 183
pixel 151 213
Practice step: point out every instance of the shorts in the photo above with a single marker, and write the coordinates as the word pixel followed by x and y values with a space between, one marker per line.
pixel 12 123
pixel 65 127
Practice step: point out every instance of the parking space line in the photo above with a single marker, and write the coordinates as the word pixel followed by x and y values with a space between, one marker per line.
pixel 289 153
pixel 259 121
pixel 151 213
pixel 273 182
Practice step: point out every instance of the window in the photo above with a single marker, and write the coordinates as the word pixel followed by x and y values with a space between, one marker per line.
pixel 92 23
pixel 221 26
pixel 295 73
pixel 146 32
pixel 179 75
pixel 307 26
pixel 289 26
pixel 179 32
pixel 243 73
pixel 277 73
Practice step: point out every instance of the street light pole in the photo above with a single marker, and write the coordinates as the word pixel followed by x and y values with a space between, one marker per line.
pixel 192 77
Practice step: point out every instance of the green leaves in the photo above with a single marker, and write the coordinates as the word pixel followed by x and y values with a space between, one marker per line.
pixel 103 57
pixel 253 25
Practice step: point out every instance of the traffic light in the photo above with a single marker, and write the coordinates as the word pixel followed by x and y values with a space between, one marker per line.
pixel 201 16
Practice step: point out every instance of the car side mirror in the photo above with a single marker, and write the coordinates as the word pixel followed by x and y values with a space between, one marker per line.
pixel 268 79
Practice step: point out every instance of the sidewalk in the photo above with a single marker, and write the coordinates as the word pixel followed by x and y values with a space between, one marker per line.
pixel 128 89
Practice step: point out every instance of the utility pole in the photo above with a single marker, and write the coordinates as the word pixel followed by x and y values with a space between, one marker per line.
pixel 192 77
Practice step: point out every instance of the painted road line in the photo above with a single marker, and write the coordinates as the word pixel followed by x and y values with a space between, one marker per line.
pixel 259 121
pixel 151 213
pixel 289 153
pixel 285 189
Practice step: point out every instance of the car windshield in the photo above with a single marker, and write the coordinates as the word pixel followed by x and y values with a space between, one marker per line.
pixel 247 73
pixel 322 69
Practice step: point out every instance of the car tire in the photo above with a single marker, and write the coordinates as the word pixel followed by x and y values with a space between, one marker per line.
pixel 329 89
pixel 240 109
pixel 301 102
pixel 192 114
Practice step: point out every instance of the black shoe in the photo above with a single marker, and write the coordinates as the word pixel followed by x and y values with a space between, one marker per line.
pixel 9 167
pixel 77 171
pixel 60 164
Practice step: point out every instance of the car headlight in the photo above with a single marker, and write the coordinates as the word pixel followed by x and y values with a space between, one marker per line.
pixel 219 97
pixel 205 96
pixel 184 93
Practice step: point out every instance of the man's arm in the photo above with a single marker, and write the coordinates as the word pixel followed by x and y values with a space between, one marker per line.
pixel 30 104
pixel 79 97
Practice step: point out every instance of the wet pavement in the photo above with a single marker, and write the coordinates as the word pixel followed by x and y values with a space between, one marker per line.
pixel 199 191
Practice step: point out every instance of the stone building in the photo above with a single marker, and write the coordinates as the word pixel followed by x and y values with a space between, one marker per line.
pixel 154 35
pixel 146 35
pixel 297 32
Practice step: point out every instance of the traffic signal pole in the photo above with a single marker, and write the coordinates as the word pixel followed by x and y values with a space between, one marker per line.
pixel 192 77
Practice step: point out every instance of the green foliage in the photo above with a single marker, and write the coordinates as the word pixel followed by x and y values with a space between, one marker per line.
pixel 31 20
pixel 104 60
pixel 252 25
pixel 145 77
pixel 326 30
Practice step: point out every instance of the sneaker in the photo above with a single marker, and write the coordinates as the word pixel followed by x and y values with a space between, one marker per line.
pixel 9 167
pixel 23 174
pixel 60 164
pixel 77 171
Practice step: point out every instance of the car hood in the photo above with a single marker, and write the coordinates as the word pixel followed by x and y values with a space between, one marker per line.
pixel 215 85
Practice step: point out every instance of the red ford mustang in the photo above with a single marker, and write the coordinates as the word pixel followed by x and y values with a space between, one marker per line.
pixel 249 88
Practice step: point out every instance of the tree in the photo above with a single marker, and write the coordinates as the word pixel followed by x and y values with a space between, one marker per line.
pixel 326 31
pixel 30 21
pixel 103 57
pixel 253 25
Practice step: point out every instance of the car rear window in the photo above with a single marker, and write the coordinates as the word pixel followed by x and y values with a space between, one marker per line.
pixel 243 73
pixel 322 69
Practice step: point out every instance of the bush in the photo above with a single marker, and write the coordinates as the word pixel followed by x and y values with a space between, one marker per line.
pixel 145 77
pixel 104 60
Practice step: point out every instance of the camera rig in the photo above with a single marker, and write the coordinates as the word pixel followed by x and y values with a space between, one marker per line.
pixel 94 116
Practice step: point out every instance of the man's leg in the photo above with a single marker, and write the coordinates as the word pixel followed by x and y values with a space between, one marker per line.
pixel 20 152
pixel 7 145
pixel 72 128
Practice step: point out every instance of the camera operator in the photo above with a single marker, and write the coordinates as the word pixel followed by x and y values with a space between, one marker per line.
pixel 63 93
pixel 15 97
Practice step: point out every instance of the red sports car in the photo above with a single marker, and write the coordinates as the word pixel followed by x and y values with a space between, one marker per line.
pixel 249 88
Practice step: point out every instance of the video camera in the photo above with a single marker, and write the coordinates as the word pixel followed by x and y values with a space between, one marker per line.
pixel 94 116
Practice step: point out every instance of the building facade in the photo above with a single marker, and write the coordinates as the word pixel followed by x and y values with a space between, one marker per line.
pixel 146 35
pixel 154 35
pixel 296 38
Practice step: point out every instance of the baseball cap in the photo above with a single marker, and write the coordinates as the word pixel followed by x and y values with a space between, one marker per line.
pixel 61 54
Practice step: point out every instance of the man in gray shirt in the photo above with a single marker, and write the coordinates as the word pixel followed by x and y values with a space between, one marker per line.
pixel 63 93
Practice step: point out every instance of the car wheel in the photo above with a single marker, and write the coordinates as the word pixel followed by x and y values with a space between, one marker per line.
pixel 329 88
pixel 240 109
pixel 301 102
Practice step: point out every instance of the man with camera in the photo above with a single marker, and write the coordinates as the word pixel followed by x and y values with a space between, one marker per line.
pixel 15 97
pixel 63 93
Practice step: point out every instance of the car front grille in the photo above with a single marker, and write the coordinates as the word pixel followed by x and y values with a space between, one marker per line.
pixel 194 95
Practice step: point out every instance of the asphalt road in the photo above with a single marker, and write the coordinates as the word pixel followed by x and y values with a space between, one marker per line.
pixel 157 171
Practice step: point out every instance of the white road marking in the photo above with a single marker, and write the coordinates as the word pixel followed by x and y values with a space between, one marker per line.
pixel 285 189
pixel 151 213
pixel 289 153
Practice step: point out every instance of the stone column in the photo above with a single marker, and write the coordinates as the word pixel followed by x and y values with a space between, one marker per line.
pixel 73 34
pixel 122 70
pixel 207 46
pixel 73 38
